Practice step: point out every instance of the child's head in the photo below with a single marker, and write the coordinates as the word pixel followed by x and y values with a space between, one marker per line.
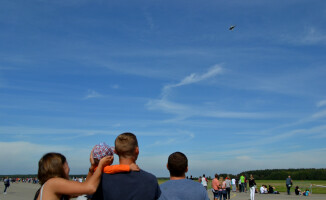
pixel 52 165
pixel 101 150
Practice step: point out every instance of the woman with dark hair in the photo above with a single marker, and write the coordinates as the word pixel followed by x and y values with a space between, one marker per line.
pixel 252 186
pixel 53 173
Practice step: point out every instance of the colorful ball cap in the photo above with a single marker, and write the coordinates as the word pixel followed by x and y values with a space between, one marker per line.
pixel 101 150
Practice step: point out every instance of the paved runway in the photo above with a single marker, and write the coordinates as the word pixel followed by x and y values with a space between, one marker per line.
pixel 26 191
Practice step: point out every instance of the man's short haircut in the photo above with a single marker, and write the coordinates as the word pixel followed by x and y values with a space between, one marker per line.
pixel 177 164
pixel 125 144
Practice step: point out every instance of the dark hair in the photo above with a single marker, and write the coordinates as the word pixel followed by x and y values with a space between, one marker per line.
pixel 177 164
pixel 216 175
pixel 125 144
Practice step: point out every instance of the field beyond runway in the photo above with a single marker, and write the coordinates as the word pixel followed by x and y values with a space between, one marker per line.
pixel 26 191
pixel 281 196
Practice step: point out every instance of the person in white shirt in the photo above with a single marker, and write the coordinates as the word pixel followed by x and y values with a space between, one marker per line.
pixel 234 187
pixel 204 181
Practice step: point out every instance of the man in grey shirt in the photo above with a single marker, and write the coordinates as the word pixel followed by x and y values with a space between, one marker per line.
pixel 228 187
pixel 178 187
pixel 288 184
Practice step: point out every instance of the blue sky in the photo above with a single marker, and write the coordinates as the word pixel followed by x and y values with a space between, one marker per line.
pixel 76 73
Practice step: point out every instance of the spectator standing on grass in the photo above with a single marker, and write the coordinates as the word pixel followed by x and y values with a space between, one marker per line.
pixel 204 181
pixel 234 187
pixel 288 183
pixel 228 187
pixel 252 186
pixel 178 187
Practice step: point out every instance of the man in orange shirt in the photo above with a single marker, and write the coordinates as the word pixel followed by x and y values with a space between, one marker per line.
pixel 215 187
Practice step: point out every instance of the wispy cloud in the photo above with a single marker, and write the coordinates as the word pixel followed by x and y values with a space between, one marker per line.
pixel 194 78
pixel 320 114
pixel 321 103
pixel 309 36
pixel 92 94
pixel 185 111
pixel 115 86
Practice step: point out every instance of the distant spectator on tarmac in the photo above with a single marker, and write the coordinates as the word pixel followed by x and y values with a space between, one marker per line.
pixel 252 186
pixel 7 184
pixel 242 180
pixel 228 187
pixel 234 187
pixel 215 187
pixel 288 183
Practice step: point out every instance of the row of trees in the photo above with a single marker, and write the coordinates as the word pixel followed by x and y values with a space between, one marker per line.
pixel 282 174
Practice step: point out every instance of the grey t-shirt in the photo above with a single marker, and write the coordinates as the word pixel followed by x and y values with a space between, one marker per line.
pixel 183 189
pixel 288 181
pixel 227 183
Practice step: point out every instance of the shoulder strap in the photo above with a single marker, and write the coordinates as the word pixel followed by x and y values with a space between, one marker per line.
pixel 41 192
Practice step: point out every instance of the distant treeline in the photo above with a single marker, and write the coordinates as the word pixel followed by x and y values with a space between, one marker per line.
pixel 266 174
pixel 282 174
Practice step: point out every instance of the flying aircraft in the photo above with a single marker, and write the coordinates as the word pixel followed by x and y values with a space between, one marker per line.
pixel 232 27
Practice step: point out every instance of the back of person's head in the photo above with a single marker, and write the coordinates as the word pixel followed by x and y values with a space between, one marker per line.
pixel 216 176
pixel 126 144
pixel 50 166
pixel 203 175
pixel 177 164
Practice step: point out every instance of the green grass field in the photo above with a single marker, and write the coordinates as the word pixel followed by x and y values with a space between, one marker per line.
pixel 280 185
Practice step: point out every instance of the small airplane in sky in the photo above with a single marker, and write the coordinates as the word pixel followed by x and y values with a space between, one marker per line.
pixel 232 27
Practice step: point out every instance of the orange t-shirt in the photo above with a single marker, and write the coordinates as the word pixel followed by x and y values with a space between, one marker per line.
pixel 113 169
pixel 215 184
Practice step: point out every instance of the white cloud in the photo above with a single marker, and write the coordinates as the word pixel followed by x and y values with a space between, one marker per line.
pixel 321 103
pixel 184 111
pixel 25 130
pixel 194 78
pixel 309 36
pixel 320 114
pixel 22 157
pixel 313 36
pixel 92 94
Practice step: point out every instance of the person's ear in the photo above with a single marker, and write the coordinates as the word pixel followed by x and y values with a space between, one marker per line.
pixel 167 166
pixel 137 150
pixel 186 169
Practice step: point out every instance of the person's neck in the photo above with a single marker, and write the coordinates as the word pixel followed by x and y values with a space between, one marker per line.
pixel 177 177
pixel 126 161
